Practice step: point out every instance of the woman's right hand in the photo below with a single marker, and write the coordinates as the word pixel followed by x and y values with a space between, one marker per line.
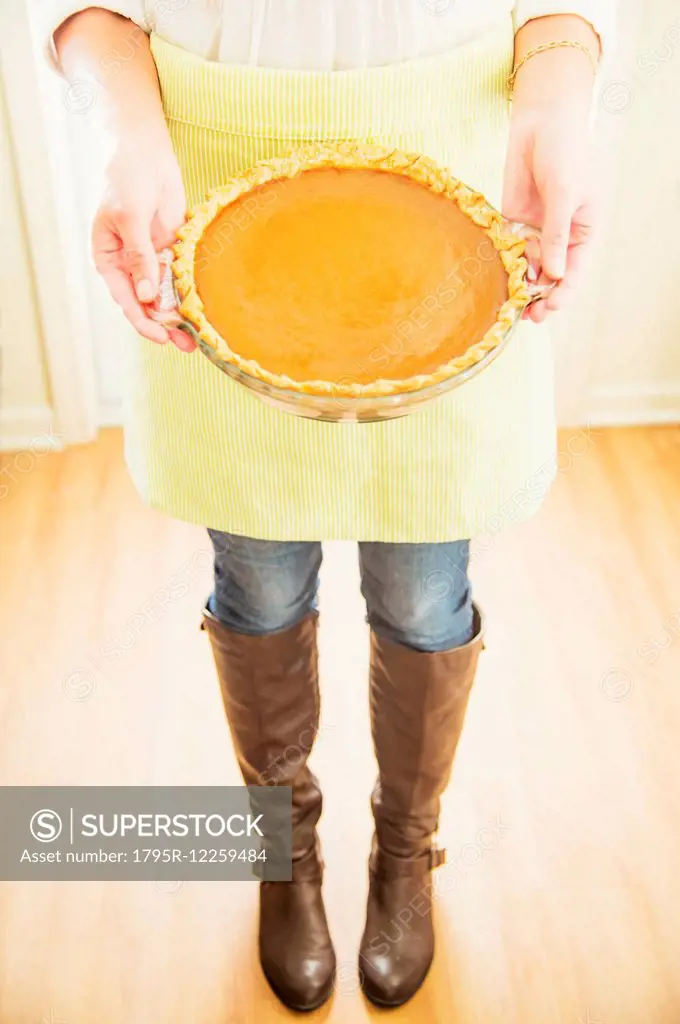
pixel 142 208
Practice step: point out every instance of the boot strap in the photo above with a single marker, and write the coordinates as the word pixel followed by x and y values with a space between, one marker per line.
pixel 437 857
pixel 386 864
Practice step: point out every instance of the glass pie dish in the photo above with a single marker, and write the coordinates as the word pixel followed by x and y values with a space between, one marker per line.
pixel 299 276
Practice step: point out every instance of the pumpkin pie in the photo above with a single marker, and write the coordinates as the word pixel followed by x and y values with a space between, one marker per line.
pixel 352 270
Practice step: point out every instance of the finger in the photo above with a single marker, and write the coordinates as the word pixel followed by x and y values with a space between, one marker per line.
pixel 164 230
pixel 182 340
pixel 563 292
pixel 140 256
pixel 169 219
pixel 537 312
pixel 559 209
pixel 149 330
pixel 122 292
pixel 557 298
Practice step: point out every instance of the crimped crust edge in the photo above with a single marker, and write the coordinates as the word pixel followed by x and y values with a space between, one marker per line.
pixel 510 247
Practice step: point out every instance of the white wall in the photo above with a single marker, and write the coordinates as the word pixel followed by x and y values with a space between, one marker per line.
pixel 635 370
pixel 106 321
pixel 24 396
pixel 618 357
pixel 47 350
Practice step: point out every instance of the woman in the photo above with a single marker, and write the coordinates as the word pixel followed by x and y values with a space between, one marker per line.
pixel 195 92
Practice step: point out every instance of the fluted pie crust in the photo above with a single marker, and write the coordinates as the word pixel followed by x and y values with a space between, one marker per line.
pixel 420 169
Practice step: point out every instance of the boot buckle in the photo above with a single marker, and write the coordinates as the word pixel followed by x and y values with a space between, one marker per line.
pixel 437 857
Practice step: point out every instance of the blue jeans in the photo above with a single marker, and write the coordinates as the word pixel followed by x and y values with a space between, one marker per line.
pixel 416 594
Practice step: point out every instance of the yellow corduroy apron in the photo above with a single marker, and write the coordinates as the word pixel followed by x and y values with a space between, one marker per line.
pixel 204 449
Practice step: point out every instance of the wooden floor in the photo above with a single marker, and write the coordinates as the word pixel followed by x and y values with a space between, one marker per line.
pixel 566 909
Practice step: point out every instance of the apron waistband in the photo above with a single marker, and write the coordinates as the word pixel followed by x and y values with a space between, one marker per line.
pixel 359 103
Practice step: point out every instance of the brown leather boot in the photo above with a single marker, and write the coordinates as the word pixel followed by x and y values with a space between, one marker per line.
pixel 271 697
pixel 418 703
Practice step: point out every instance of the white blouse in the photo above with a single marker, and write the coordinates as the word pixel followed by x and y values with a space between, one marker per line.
pixel 322 34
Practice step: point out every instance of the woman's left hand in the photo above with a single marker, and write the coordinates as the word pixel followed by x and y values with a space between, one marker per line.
pixel 549 174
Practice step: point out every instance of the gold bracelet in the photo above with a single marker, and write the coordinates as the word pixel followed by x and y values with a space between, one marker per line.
pixel 552 46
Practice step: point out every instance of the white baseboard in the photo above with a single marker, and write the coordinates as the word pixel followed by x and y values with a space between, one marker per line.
pixel 28 428
pixel 606 407
pixel 624 407
pixel 110 414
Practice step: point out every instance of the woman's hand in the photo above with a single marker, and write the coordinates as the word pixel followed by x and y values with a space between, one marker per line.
pixel 548 174
pixel 142 208
pixel 143 203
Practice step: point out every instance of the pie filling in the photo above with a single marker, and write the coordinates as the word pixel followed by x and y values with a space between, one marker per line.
pixel 347 276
